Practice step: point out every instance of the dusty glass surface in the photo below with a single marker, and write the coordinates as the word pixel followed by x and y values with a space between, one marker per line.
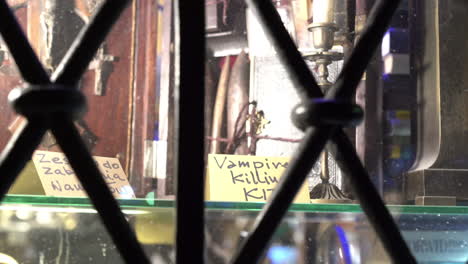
pixel 38 229
pixel 411 141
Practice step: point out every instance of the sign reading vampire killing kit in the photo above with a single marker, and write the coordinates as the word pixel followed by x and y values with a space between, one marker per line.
pixel 246 178
pixel 59 179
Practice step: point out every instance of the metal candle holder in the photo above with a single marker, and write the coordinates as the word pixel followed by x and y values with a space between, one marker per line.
pixel 323 35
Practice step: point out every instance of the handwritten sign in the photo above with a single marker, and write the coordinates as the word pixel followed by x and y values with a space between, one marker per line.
pixel 59 179
pixel 246 178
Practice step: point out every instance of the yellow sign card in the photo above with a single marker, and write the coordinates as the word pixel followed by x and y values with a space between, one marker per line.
pixel 59 179
pixel 246 178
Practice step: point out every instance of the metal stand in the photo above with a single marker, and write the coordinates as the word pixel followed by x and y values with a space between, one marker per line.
pixel 323 35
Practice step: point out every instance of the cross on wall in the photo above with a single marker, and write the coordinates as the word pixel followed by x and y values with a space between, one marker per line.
pixel 102 64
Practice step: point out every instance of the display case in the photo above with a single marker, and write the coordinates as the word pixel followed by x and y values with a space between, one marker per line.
pixel 232 131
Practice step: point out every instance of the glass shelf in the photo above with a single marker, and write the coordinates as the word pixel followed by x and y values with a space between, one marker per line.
pixel 309 232
pixel 244 206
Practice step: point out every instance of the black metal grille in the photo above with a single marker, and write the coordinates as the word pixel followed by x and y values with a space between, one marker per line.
pixel 43 113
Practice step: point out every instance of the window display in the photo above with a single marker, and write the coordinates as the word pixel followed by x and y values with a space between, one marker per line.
pixel 405 122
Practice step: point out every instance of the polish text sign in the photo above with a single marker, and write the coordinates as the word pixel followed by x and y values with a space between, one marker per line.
pixel 59 179
pixel 246 178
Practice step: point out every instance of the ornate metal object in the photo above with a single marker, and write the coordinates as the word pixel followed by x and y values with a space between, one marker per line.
pixel 323 31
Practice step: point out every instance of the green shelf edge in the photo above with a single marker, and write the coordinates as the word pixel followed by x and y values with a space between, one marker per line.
pixel 35 200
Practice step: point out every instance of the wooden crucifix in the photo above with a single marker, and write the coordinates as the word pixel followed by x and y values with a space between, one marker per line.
pixel 103 67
